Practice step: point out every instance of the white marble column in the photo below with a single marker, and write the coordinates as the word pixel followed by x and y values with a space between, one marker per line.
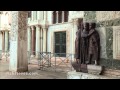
pixel 6 40
pixel 44 39
pixel 0 40
pixel 18 49
pixel 37 41
pixel 3 41
pixel 29 38
pixel 41 40
pixel 33 41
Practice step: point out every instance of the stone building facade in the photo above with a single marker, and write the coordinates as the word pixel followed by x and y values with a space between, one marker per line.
pixel 108 26
pixel 4 30
pixel 54 31
pixel 45 26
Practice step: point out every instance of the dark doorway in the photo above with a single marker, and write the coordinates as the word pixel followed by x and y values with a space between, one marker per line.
pixel 60 44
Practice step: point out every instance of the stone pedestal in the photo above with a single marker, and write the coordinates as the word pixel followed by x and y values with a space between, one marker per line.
pixel 18 49
pixel 93 69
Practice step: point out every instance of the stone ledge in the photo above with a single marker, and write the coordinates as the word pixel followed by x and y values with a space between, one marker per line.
pixel 80 75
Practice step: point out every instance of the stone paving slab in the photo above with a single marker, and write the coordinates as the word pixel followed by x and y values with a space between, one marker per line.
pixel 33 73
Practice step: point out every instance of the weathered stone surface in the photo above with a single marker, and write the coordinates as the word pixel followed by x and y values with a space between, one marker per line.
pixel 102 34
pixel 109 42
pixel 80 75
pixel 112 72
pixel 90 16
pixel 116 43
pixel 18 48
pixel 94 69
pixel 107 15
pixel 114 22
pixel 106 62
pixel 76 14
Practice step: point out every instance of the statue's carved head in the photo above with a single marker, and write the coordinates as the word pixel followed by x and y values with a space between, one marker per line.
pixel 92 25
pixel 86 25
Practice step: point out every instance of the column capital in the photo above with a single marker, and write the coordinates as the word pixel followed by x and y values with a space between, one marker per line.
pixel 37 26
pixel 28 26
pixel 2 30
pixel 44 26
pixel 6 30
pixel 32 28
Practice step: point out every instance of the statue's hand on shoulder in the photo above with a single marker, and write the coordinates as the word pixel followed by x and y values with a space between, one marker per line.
pixel 91 32
pixel 84 35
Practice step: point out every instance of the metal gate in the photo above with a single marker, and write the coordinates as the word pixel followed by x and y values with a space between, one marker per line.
pixel 53 61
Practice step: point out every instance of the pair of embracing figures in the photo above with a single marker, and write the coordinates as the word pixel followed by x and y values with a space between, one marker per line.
pixel 87 44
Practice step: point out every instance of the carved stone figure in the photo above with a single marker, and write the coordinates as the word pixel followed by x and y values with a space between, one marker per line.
pixel 87 49
pixel 77 43
pixel 76 64
pixel 94 44
pixel 84 43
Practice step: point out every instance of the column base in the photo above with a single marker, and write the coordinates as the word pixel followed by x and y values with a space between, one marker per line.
pixel 32 56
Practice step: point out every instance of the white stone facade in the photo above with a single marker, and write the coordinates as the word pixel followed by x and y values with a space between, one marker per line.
pixel 45 29
pixel 44 19
pixel 5 26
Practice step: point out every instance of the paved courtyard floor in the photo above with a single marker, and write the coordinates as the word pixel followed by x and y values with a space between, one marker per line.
pixel 33 73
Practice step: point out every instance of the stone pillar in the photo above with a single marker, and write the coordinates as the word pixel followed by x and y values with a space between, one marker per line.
pixel 72 40
pixel 63 16
pixel 37 41
pixel 3 41
pixel 33 40
pixel 75 28
pixel 41 40
pixel 29 38
pixel 0 41
pixel 6 40
pixel 44 39
pixel 18 49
